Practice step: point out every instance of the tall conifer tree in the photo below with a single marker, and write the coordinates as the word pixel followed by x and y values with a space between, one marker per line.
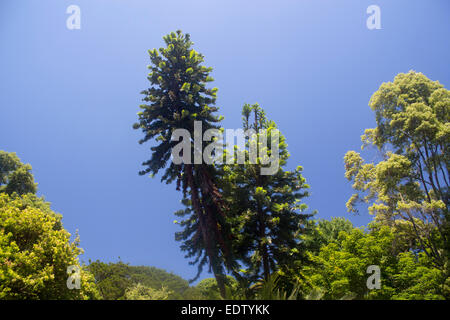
pixel 265 210
pixel 178 96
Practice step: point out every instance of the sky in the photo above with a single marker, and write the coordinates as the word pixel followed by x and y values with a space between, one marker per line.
pixel 69 98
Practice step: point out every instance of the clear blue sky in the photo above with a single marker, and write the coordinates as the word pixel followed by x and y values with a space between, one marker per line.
pixel 68 98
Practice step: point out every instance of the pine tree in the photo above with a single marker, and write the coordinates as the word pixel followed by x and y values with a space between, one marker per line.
pixel 265 210
pixel 178 96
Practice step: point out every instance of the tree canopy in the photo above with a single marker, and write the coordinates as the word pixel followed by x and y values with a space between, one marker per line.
pixel 15 176
pixel 35 255
pixel 409 187
pixel 339 268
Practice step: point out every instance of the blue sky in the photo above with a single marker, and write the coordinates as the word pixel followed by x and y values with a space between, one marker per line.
pixel 68 98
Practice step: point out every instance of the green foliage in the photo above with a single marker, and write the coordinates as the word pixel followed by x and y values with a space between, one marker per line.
pixel 17 181
pixel 265 211
pixel 178 96
pixel 339 268
pixel 114 279
pixel 409 188
pixel 269 289
pixel 35 253
pixel 14 175
pixel 209 289
pixel 141 292
pixel 417 279
pixel 322 232
pixel 236 220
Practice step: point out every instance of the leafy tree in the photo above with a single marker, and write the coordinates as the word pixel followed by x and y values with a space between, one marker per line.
pixel 340 268
pixel 112 279
pixel 322 232
pixel 192 293
pixel 14 175
pixel 266 209
pixel 178 96
pixel 35 254
pixel 209 289
pixel 141 292
pixel 409 187
pixel 16 180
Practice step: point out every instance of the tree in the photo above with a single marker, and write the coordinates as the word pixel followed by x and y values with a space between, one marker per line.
pixel 112 279
pixel 409 187
pixel 35 254
pixel 14 175
pixel 16 180
pixel 141 292
pixel 178 96
pixel 339 269
pixel 266 210
pixel 322 232
pixel 209 289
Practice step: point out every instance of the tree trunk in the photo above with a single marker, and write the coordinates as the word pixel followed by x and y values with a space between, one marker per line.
pixel 208 225
pixel 262 246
